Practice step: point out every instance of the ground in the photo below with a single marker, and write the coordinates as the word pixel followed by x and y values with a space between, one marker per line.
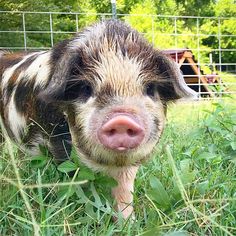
pixel 188 188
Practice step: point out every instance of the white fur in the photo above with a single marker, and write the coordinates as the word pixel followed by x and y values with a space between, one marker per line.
pixel 40 68
pixel 9 71
pixel 91 33
pixel 39 139
pixel 123 192
pixel 17 122
pixel 114 67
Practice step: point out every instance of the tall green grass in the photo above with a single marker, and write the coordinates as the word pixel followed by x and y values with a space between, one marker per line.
pixel 188 188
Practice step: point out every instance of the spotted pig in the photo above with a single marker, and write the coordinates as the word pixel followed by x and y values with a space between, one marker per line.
pixel 105 91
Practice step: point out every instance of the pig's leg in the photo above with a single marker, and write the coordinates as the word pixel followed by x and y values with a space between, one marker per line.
pixel 123 191
pixel 60 142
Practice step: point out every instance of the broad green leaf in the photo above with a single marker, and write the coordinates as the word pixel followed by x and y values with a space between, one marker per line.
pixel 206 156
pixel 74 156
pixel 233 145
pixel 67 166
pixel 97 198
pixel 185 165
pixel 82 197
pixel 90 211
pixel 158 193
pixel 188 177
pixel 212 148
pixel 85 174
pixel 105 181
pixel 203 187
pixel 39 161
pixel 65 191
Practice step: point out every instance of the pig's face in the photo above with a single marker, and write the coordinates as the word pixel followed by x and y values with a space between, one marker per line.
pixel 122 118
pixel 113 88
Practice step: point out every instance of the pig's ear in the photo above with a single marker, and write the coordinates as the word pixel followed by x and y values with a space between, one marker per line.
pixel 60 67
pixel 55 86
pixel 57 83
pixel 171 85
pixel 65 83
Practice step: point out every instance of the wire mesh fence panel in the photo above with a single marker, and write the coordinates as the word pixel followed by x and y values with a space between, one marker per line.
pixel 204 47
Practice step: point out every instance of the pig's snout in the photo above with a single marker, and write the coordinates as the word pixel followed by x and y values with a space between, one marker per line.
pixel 121 132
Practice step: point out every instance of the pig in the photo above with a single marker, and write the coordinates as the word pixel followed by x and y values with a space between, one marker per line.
pixel 105 91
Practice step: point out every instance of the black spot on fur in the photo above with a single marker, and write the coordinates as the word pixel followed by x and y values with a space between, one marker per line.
pixel 9 63
pixel 80 90
pixel 24 96
pixel 105 96
pixel 69 82
pixel 13 80
pixel 58 51
pixel 168 85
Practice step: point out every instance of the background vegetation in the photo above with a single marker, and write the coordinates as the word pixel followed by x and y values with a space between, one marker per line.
pixel 188 188
pixel 190 32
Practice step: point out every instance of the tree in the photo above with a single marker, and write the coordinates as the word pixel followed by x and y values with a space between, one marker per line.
pixel 164 32
pixel 39 25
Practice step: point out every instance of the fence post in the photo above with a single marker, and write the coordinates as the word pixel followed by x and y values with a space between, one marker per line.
pixel 51 29
pixel 113 8
pixel 24 31
pixel 220 55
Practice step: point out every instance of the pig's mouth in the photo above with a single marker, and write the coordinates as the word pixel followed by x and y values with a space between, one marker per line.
pixel 121 132
pixel 121 139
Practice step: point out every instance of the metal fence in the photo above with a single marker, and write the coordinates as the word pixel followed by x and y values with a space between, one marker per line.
pixel 205 69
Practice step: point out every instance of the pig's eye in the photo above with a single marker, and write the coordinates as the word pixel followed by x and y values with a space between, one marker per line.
pixel 81 90
pixel 151 90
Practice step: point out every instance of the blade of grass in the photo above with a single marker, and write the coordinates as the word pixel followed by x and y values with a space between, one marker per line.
pixel 185 196
pixel 19 183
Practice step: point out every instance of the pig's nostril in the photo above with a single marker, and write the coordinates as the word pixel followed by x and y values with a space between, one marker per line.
pixel 112 132
pixel 122 130
pixel 131 132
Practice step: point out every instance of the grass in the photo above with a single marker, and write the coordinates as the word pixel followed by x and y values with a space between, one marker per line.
pixel 188 188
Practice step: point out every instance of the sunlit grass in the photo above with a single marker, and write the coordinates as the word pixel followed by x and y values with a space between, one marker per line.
pixel 188 188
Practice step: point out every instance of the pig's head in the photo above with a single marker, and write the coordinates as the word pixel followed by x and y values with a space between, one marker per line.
pixel 113 88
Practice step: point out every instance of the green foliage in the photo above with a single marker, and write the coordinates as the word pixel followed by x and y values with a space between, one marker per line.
pixel 196 8
pixel 201 138
pixel 161 30
pixel 224 8
pixel 158 30
pixel 193 194
pixel 67 167
pixel 158 194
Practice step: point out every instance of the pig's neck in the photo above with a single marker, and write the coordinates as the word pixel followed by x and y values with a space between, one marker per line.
pixel 123 192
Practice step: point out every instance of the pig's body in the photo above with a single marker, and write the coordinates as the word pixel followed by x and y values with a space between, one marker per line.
pixel 105 90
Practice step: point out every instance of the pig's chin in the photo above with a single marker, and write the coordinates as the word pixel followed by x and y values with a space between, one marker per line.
pixel 99 157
